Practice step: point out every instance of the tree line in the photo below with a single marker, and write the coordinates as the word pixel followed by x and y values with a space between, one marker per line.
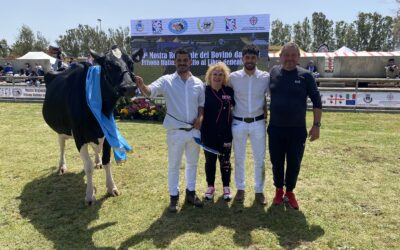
pixel 370 32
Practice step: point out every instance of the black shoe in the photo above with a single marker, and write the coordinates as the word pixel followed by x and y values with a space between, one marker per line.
pixel 173 205
pixel 192 199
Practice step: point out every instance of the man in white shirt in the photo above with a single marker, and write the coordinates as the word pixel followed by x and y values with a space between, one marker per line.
pixel 184 97
pixel 250 86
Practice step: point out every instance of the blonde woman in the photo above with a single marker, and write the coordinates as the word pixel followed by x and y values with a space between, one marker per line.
pixel 216 132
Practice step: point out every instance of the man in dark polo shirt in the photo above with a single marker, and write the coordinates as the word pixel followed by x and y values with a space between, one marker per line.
pixel 290 85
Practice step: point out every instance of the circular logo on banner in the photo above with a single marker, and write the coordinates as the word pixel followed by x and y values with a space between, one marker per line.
pixel 253 20
pixel 178 26
pixel 139 26
pixel 205 25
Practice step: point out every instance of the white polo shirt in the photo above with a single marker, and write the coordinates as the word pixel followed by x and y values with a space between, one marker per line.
pixel 182 98
pixel 250 92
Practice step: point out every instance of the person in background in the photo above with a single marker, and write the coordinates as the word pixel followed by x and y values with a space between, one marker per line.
pixel 250 87
pixel 216 131
pixel 392 70
pixel 184 98
pixel 28 69
pixel 289 88
pixel 311 66
pixel 39 69
pixel 8 69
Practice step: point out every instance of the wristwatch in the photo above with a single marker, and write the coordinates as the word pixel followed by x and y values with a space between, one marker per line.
pixel 317 124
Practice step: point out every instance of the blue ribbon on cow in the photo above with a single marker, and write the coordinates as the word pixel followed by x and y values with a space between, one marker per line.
pixel 110 130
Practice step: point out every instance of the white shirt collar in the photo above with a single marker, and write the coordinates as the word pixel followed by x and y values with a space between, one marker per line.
pixel 243 72
pixel 176 75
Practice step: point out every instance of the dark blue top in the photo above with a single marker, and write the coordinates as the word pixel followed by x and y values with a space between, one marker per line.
pixel 289 91
pixel 217 120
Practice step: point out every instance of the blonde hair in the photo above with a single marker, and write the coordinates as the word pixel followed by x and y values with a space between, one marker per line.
pixel 218 66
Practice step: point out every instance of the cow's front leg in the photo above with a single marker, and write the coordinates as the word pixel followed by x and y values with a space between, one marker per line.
pixel 111 187
pixel 62 165
pixel 88 166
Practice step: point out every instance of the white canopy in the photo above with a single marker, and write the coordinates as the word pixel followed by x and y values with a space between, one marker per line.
pixel 343 49
pixel 37 55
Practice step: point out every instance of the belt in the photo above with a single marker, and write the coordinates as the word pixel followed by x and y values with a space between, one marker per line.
pixel 186 129
pixel 249 119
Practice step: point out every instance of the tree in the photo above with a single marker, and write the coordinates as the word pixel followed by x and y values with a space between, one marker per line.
pixel 302 34
pixel 322 31
pixel 77 42
pixel 280 33
pixel 41 43
pixel 24 42
pixel 345 35
pixel 4 49
pixel 396 29
pixel 374 32
pixel 28 42
pixel 121 38
pixel 340 33
pixel 350 38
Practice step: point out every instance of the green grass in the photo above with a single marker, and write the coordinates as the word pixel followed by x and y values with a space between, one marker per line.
pixel 348 192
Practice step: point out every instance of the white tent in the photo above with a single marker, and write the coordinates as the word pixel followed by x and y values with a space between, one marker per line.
pixel 343 49
pixel 37 55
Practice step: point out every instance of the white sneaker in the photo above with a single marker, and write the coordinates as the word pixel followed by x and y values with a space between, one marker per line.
pixel 209 195
pixel 227 194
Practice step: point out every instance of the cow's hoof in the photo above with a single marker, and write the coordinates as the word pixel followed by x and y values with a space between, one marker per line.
pixel 98 166
pixel 90 202
pixel 62 170
pixel 114 192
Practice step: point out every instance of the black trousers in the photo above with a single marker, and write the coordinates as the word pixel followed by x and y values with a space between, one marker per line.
pixel 286 143
pixel 224 163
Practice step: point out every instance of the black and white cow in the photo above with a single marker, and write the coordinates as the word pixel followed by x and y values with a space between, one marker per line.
pixel 66 111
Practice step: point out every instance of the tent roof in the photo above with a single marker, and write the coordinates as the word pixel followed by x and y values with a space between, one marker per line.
pixel 37 55
pixel 344 49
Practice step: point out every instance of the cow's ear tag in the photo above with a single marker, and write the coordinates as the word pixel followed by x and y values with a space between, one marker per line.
pixel 99 58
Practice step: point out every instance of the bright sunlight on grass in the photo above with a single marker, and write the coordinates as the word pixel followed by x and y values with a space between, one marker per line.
pixel 348 193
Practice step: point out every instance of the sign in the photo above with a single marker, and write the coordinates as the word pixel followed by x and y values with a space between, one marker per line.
pixel 378 99
pixel 209 39
pixel 347 98
pixel 22 92
pixel 201 25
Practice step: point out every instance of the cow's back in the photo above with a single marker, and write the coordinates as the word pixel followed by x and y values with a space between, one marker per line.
pixel 65 100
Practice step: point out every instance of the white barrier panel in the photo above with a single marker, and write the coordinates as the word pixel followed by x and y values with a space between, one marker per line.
pixel 331 98
pixel 348 98
pixel 338 98
pixel 378 99
pixel 22 92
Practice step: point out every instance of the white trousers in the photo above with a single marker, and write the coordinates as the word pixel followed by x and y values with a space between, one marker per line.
pixel 180 141
pixel 256 131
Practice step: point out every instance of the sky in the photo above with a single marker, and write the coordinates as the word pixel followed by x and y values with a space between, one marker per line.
pixel 53 18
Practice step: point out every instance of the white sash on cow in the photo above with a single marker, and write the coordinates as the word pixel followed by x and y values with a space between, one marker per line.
pixel 110 130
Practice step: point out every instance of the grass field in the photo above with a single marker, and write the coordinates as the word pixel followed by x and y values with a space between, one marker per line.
pixel 348 191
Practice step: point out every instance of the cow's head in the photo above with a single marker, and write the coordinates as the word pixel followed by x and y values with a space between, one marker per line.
pixel 117 71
